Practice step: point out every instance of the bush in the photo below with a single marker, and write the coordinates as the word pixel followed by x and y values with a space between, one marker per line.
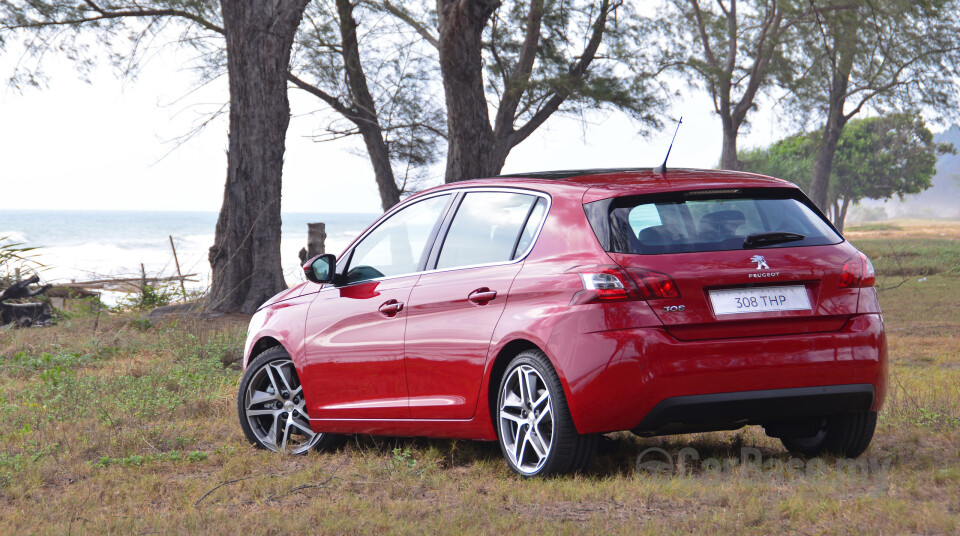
pixel 150 297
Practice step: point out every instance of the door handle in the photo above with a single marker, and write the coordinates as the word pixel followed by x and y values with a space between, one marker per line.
pixel 482 296
pixel 390 308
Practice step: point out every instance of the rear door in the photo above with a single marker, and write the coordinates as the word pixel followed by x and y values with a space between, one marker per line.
pixel 733 263
pixel 455 308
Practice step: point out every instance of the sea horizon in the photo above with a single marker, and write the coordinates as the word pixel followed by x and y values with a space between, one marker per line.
pixel 85 244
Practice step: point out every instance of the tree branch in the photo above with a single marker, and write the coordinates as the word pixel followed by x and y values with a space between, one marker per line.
pixel 119 14
pixel 334 102
pixel 702 28
pixel 406 17
pixel 758 71
pixel 576 74
pixel 514 83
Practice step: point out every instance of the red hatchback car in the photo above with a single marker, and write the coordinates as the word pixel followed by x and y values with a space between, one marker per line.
pixel 541 310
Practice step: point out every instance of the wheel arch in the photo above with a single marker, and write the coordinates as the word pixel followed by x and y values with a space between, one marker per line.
pixel 499 367
pixel 263 344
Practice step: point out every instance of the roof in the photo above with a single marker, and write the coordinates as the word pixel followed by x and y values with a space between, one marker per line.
pixel 596 184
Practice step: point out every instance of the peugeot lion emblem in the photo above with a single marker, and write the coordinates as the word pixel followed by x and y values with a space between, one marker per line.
pixel 761 262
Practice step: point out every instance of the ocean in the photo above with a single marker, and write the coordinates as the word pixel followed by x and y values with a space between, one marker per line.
pixel 85 245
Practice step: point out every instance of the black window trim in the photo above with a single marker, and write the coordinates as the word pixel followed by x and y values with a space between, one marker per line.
pixel 434 242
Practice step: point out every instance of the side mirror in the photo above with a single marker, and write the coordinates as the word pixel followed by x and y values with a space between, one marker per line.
pixel 321 269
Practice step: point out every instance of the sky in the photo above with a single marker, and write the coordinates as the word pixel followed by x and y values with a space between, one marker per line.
pixel 109 144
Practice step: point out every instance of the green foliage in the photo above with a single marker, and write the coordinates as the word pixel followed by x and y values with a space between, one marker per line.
pixel 401 73
pixel 15 257
pixel 736 55
pixel 23 363
pixel 141 323
pixel 65 395
pixel 933 418
pixel 150 297
pixel 790 159
pixel 402 459
pixel 621 77
pixel 877 158
pixel 226 348
pixel 401 68
pixel 880 157
pixel 83 308
pixel 10 465
pixel 137 460
pixel 907 257
pixel 888 55
pixel 65 27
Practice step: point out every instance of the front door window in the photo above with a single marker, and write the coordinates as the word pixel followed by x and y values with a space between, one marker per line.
pixel 396 246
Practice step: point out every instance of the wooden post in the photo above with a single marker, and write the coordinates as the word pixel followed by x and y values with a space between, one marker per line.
pixel 316 237
pixel 176 261
pixel 143 279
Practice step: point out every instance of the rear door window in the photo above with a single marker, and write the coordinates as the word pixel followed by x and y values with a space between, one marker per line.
pixel 530 229
pixel 691 222
pixel 487 229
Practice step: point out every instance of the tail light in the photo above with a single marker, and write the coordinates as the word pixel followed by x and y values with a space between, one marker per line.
pixel 609 285
pixel 858 272
pixel 869 277
pixel 655 285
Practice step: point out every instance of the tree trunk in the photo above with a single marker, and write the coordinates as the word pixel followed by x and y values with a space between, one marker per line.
pixel 245 257
pixel 836 120
pixel 382 170
pixel 365 108
pixel 823 165
pixel 471 142
pixel 842 216
pixel 728 156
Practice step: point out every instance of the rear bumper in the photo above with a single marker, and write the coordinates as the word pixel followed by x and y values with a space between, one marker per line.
pixel 693 413
pixel 618 379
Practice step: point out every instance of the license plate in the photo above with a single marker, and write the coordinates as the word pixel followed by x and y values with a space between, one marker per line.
pixel 759 300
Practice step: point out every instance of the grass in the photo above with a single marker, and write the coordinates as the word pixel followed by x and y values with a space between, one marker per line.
pixel 130 428
pixel 908 249
pixel 867 227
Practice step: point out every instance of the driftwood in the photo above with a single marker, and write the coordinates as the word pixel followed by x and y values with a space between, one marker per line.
pixel 24 314
pixel 137 281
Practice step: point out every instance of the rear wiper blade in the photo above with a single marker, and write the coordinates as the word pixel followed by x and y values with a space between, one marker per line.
pixel 760 240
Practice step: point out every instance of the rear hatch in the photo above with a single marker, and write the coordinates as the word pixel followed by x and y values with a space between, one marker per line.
pixel 732 263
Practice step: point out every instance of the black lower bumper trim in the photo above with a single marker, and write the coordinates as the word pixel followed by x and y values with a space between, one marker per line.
pixel 726 411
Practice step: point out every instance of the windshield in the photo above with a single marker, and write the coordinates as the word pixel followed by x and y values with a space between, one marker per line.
pixel 700 221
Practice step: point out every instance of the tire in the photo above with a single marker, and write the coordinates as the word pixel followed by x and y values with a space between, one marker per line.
pixel 277 421
pixel 846 436
pixel 536 433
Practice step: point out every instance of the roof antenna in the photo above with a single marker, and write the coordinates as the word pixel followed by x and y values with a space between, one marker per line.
pixel 662 168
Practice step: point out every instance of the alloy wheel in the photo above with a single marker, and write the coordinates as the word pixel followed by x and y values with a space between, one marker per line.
pixel 275 409
pixel 526 419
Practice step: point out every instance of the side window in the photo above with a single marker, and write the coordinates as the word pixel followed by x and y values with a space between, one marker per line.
pixel 396 245
pixel 533 223
pixel 485 229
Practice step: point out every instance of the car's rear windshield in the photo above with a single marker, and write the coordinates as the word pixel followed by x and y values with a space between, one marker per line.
pixel 708 220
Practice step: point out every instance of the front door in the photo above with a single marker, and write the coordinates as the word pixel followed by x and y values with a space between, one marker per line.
pixel 354 332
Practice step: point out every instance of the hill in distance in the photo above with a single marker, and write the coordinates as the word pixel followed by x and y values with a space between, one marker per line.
pixel 942 200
